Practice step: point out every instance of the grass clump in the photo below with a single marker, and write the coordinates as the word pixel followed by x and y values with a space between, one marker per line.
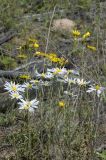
pixel 7 62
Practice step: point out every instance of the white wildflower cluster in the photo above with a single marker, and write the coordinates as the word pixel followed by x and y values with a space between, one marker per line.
pixel 62 75
pixel 17 91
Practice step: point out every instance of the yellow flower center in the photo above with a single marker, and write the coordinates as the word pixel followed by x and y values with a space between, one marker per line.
pixel 97 87
pixel 27 106
pixel 57 71
pixel 69 71
pixel 14 88
pixel 30 86
pixel 36 81
pixel 43 75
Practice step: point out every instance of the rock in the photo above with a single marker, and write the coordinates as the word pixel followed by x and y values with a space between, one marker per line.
pixel 63 25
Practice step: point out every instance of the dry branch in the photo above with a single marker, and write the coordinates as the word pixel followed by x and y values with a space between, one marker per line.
pixel 8 35
pixel 11 74
pixel 36 62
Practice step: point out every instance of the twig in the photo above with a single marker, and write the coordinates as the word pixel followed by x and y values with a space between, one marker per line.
pixel 49 30
pixel 8 35
pixel 28 64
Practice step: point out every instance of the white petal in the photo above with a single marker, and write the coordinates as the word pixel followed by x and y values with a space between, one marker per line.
pixel 31 109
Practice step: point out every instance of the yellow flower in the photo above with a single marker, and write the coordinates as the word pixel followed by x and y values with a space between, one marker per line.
pixel 61 104
pixel 91 47
pixel 40 54
pixel 76 33
pixel 86 35
pixel 52 55
pixel 33 43
pixel 36 45
pixel 22 56
pixel 53 59
pixel 24 76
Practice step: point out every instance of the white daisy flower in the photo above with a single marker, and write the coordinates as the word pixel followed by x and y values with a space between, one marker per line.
pixel 70 80
pixel 67 80
pixel 12 87
pixel 58 71
pixel 96 89
pixel 27 85
pixel 47 75
pixel 81 82
pixel 75 72
pixel 15 95
pixel 28 105
pixel 34 81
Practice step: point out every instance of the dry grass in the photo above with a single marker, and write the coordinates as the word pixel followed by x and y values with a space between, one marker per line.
pixel 76 131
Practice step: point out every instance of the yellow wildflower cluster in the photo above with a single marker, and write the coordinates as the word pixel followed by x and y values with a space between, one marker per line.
pixel 77 33
pixel 52 57
pixel 61 60
pixel 25 76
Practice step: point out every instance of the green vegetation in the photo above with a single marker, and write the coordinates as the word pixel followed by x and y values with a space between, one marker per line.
pixel 68 121
pixel 7 62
